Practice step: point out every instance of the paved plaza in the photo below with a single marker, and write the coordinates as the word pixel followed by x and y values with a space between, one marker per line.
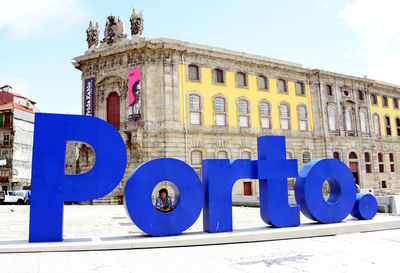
pixel 354 252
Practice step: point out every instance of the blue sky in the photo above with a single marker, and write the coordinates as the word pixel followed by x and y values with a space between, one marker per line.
pixel 40 38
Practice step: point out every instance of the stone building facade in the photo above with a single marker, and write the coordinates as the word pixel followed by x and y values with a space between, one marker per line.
pixel 17 114
pixel 200 102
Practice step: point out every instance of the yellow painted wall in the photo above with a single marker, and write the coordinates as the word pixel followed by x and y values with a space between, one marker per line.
pixel 382 112
pixel 207 89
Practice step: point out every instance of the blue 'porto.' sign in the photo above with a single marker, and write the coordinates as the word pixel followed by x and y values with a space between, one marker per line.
pixel 214 195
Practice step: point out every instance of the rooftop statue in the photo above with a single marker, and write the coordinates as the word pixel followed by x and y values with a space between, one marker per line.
pixel 114 30
pixel 92 35
pixel 136 23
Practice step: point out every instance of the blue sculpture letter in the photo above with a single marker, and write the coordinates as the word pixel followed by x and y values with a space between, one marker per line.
pixel 51 186
pixel 219 175
pixel 308 190
pixel 140 185
pixel 273 171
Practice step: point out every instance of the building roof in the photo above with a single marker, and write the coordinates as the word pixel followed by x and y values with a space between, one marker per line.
pixel 13 105
pixel 21 96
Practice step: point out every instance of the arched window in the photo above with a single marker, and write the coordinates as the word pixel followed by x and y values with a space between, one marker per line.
pixel 262 83
pixel 284 115
pixel 220 111
pixel 381 163
pixel 265 114
pixel 360 95
pixel 348 119
pixel 387 125
pixel 336 155
pixel 113 110
pixel 196 157
pixel 195 109
pixel 363 121
pixel 302 117
pixel 391 160
pixel 243 112
pixel 299 86
pixel 306 157
pixel 245 155
pixel 193 72
pixel 398 126
pixel 219 76
pixel 377 126
pixel 332 118
pixel 222 155
pixel 367 159
pixel 241 79
pixel 353 155
pixel 328 90
pixel 282 86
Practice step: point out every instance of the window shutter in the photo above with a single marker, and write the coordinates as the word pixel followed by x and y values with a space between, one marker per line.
pixel 220 119
pixel 195 118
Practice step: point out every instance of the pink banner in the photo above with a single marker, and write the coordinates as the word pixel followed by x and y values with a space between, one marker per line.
pixel 134 93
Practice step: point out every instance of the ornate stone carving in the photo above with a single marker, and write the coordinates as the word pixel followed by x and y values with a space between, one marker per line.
pixel 92 35
pixel 114 30
pixel 136 23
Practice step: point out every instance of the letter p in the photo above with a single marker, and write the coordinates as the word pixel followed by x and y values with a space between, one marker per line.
pixel 51 187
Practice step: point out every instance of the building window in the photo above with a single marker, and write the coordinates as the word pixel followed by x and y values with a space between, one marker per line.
pixel 265 115
pixel 302 117
pixel 367 159
pixel 289 155
pixel 387 126
pixel 383 184
pixel 222 155
pixel 262 83
pixel 6 139
pixel 306 157
pixel 395 103
pixel 363 121
pixel 299 88
pixel 241 79
pixel 384 101
pixel 332 118
pixel 348 120
pixel 328 90
pixel 219 76
pixel 377 126
pixel 282 86
pixel 391 160
pixel 398 126
pixel 4 154
pixel 220 111
pixel 336 155
pixel 196 157
pixel 374 99
pixel 194 109
pixel 244 117
pixel 284 115
pixel 7 119
pixel 360 95
pixel 113 110
pixel 381 163
pixel 245 155
pixel 194 74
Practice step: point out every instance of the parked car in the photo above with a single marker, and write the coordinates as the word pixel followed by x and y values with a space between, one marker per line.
pixel 12 197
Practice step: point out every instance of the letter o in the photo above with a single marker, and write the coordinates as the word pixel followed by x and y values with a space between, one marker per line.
pixel 140 185
pixel 308 190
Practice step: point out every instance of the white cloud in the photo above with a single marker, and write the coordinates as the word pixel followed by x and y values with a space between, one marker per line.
pixel 27 17
pixel 379 24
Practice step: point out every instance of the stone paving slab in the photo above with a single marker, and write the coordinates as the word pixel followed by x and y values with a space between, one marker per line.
pixel 108 227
